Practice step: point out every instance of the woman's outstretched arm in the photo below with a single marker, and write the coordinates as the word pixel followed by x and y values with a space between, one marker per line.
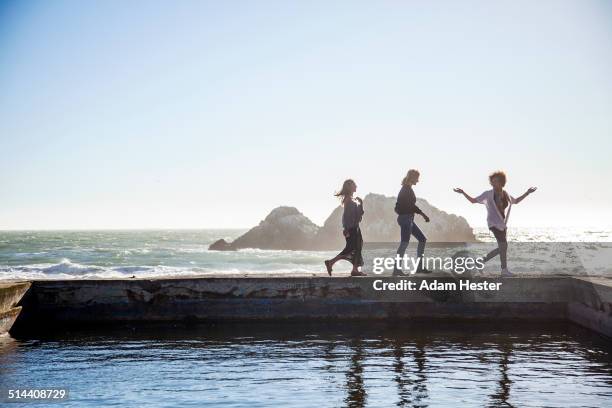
pixel 525 194
pixel 470 199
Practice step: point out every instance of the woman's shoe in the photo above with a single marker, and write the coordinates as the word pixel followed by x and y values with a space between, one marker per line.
pixel 358 273
pixel 328 267
pixel 506 273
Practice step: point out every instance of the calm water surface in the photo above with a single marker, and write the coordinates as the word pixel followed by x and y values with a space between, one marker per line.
pixel 323 365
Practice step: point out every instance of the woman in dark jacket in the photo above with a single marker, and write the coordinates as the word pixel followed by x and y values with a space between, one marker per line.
pixel 351 217
pixel 406 208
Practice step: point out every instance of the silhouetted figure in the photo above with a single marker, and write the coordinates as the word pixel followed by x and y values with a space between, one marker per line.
pixel 497 200
pixel 406 208
pixel 351 217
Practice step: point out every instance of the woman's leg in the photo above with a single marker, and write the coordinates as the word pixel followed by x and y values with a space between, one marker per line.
pixel 418 234
pixel 358 257
pixel 502 248
pixel 329 264
pixel 491 254
pixel 334 259
pixel 406 224
pixel 351 251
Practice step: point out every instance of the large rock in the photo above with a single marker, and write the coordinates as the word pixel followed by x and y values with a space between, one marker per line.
pixel 379 224
pixel 283 228
pixel 221 245
pixel 287 228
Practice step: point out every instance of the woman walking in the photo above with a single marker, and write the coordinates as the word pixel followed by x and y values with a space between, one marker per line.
pixel 406 208
pixel 497 200
pixel 351 217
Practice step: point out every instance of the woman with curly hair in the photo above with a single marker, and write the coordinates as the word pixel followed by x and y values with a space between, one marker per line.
pixel 497 200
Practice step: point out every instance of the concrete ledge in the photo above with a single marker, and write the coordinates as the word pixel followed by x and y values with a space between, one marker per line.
pixel 54 304
pixel 10 294
pixel 591 319
pixel 591 304
pixel 7 318
pixel 221 298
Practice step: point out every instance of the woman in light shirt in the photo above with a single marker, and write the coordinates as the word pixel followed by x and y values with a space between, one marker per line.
pixel 351 217
pixel 497 200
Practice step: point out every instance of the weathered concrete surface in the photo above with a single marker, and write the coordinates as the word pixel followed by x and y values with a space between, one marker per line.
pixel 10 294
pixel 584 301
pixel 222 298
pixel 7 318
pixel 591 304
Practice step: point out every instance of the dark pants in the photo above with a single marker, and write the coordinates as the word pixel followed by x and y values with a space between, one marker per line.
pixel 502 247
pixel 352 250
pixel 408 228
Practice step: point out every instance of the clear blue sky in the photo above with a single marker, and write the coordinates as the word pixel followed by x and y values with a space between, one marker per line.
pixel 210 113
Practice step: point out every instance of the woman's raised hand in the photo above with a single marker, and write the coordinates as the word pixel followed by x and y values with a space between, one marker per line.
pixel 458 190
pixel 531 189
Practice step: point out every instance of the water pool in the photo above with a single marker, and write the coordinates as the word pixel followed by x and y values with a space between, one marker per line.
pixel 324 365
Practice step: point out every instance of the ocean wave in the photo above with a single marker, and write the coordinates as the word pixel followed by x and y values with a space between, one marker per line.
pixel 29 254
pixel 71 270
pixel 95 255
pixel 63 269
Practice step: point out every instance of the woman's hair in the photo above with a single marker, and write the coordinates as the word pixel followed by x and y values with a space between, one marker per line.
pixel 345 191
pixel 502 178
pixel 500 175
pixel 411 174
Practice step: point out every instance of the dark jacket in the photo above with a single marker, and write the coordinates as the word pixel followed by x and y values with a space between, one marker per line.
pixel 351 217
pixel 406 202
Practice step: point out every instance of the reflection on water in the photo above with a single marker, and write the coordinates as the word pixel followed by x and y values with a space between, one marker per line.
pixel 411 392
pixel 325 365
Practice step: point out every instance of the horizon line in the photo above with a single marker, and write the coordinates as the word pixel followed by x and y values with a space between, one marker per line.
pixel 161 228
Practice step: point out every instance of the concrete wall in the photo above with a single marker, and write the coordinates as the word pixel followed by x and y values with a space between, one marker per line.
pixel 10 294
pixel 583 301
pixel 591 304
pixel 219 298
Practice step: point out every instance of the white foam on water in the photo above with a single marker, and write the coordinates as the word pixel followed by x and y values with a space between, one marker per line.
pixel 70 270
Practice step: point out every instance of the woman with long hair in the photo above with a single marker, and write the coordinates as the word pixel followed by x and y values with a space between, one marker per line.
pixel 497 200
pixel 351 217
pixel 406 208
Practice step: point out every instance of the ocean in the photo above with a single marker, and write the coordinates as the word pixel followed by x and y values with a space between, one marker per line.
pixel 151 253
pixel 297 364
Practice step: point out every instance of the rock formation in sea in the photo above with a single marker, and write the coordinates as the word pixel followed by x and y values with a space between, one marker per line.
pixel 287 228
pixel 283 228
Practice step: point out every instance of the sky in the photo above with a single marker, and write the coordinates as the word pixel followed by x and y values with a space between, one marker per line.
pixel 208 114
